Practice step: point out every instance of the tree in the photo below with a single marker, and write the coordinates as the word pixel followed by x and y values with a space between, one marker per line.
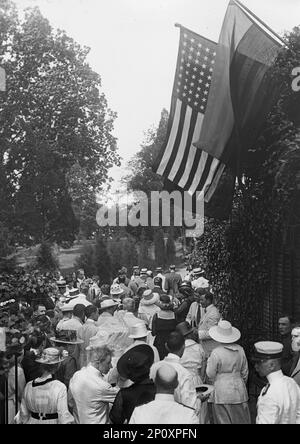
pixel 102 261
pixel 54 124
pixel 143 250
pixel 170 248
pixel 46 260
pixel 129 253
pixel 7 257
pixel 87 260
pixel 141 176
pixel 159 248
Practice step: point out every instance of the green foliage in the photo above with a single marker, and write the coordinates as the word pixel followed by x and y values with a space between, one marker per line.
pixel 55 126
pixel 170 248
pixel 129 253
pixel 102 261
pixel 159 248
pixel 87 260
pixel 143 251
pixel 46 259
pixel 238 255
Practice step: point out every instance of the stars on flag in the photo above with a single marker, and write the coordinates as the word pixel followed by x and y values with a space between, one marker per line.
pixel 196 61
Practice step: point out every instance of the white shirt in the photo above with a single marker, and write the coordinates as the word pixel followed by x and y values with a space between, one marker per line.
pixel 185 393
pixel 280 403
pixel 192 360
pixel 90 394
pixel 80 299
pixel 163 410
pixel 46 398
pixel 71 324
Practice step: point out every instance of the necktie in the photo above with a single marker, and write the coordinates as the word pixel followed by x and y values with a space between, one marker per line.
pixel 265 389
pixel 198 317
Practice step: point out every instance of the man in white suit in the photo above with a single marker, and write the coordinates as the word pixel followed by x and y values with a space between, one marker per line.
pixel 210 318
pixel 295 370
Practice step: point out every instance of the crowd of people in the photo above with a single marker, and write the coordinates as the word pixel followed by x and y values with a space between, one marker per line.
pixel 150 348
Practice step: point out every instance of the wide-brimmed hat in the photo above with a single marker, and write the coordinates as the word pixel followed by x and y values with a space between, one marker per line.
pixel 66 337
pixel 73 293
pixel 107 303
pixel 197 271
pixel 224 333
pixel 138 330
pixel 136 362
pixel 150 297
pixel 184 328
pixel 116 289
pixel 50 356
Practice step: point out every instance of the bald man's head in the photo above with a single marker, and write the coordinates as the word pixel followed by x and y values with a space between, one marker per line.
pixel 166 379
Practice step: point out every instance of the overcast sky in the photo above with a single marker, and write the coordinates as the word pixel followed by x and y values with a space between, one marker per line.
pixel 134 48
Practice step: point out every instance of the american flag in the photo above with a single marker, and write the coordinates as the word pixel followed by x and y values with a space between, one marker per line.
pixel 179 161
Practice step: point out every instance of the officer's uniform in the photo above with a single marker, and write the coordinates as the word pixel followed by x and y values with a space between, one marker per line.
pixel 279 400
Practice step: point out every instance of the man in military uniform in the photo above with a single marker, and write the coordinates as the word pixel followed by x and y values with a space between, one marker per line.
pixel 279 400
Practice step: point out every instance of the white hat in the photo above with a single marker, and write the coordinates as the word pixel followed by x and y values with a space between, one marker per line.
pixel 67 307
pixel 50 356
pixel 267 350
pixel 116 289
pixel 73 293
pixel 224 333
pixel 139 331
pixel 197 271
pixel 107 303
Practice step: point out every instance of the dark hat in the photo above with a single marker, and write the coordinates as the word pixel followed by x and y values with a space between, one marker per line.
pixel 185 284
pixel 136 362
pixel 267 350
pixel 184 328
pixel 66 337
pixel 157 280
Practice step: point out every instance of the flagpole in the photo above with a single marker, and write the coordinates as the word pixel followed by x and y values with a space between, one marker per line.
pixel 260 21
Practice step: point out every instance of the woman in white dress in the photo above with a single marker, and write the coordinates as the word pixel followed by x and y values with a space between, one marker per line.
pixel 227 369
pixel 193 356
pixel 11 385
pixel 45 399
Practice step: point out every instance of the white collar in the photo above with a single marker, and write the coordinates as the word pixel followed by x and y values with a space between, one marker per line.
pixel 93 369
pixel 164 397
pixel 209 307
pixel 275 375
pixel 172 357
pixel 90 321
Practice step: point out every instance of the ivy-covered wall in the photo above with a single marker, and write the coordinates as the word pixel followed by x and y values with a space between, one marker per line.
pixel 253 260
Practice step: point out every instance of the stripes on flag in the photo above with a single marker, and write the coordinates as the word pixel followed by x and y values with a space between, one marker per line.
pixel 179 161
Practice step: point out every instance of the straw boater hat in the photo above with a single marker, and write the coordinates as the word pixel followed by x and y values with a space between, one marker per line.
pixel 107 303
pixel 197 271
pixel 66 337
pixel 224 333
pixel 73 293
pixel 139 331
pixel 61 283
pixel 50 356
pixel 136 362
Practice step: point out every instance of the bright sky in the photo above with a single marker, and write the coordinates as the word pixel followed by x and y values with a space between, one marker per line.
pixel 134 48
